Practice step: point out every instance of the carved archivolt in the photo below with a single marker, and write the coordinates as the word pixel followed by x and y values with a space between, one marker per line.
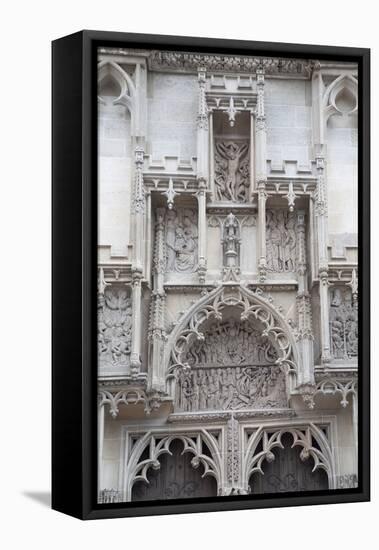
pixel 202 445
pixel 250 307
pixel 310 439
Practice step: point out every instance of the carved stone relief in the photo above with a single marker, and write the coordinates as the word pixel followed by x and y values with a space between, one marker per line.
pixel 114 318
pixel 228 371
pixel 232 178
pixel 231 388
pixel 231 343
pixel 281 241
pixel 343 319
pixel 181 239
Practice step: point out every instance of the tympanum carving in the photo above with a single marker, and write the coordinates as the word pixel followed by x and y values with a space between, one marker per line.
pixel 231 388
pixel 231 343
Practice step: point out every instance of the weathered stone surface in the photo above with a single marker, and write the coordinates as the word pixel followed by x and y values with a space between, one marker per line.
pixel 227 272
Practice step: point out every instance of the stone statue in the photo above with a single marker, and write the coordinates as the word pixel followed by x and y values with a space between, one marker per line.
pixel 181 240
pixel 231 241
pixel 231 170
pixel 280 241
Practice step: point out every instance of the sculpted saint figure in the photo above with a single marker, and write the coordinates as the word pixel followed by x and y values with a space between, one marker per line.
pixel 231 175
pixel 181 241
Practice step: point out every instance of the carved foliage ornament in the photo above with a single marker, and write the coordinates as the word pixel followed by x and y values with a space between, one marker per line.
pixel 131 396
pixel 183 61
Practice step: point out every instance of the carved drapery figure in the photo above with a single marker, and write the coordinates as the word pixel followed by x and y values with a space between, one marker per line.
pixel 181 240
pixel 280 241
pixel 231 241
pixel 231 343
pixel 232 170
pixel 230 388
pixel 343 320
pixel 114 318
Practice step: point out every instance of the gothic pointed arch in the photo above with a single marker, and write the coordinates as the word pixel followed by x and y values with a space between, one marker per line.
pixel 147 451
pixel 111 75
pixel 310 440
pixel 239 309
pixel 341 97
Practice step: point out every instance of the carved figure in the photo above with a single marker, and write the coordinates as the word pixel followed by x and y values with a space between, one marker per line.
pixel 231 171
pixel 114 327
pixel 231 241
pixel 231 343
pixel 280 241
pixel 343 320
pixel 231 388
pixel 181 241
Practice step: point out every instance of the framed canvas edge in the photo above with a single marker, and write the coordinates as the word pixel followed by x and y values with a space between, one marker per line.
pixel 83 382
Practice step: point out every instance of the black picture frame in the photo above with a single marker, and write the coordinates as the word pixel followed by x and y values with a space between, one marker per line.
pixel 74 206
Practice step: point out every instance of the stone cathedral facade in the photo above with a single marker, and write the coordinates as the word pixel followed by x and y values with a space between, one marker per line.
pixel 227 275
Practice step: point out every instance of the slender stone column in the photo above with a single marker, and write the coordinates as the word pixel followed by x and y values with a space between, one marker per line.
pixel 202 129
pixel 262 265
pixel 355 429
pixel 260 131
pixel 157 334
pixel 135 356
pixel 252 151
pixel 100 444
pixel 261 174
pixel 202 229
pixel 321 211
pixel 139 207
pixel 211 157
pixel 304 312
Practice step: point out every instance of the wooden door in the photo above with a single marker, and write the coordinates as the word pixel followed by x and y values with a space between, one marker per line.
pixel 288 473
pixel 176 478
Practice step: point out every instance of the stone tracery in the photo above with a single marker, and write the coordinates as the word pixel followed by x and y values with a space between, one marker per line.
pixel 223 363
